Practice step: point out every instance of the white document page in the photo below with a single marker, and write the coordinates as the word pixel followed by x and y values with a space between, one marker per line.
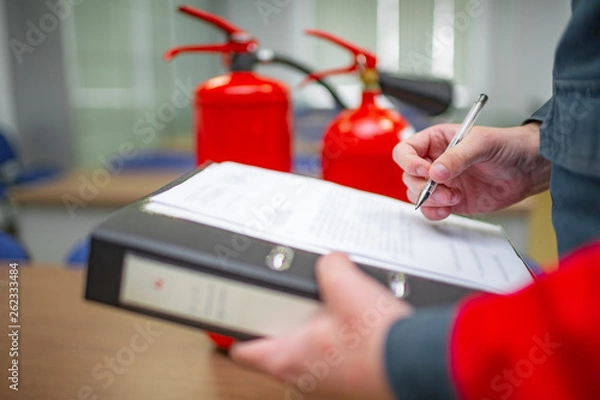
pixel 321 216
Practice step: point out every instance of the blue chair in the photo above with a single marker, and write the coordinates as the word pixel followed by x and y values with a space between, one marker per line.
pixel 12 173
pixel 7 157
pixel 11 249
pixel 78 256
pixel 7 153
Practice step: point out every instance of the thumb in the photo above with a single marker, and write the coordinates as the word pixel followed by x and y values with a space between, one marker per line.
pixel 345 288
pixel 472 149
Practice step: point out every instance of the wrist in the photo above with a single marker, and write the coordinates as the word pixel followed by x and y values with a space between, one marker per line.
pixel 537 167
pixel 417 355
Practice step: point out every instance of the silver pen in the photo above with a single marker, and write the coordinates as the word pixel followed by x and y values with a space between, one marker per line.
pixel 464 129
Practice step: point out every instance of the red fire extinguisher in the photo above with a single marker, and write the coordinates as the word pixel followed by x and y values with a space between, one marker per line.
pixel 239 116
pixel 357 146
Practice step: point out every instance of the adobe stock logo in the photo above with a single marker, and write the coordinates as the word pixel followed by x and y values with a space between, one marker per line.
pixel 37 34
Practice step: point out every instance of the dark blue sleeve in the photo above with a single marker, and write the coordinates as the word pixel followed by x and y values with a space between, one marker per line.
pixel 540 114
pixel 569 136
pixel 417 355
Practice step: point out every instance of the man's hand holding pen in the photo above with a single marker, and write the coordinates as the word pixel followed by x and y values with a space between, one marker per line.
pixel 492 168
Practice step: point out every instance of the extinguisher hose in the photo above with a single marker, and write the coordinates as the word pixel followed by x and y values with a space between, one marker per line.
pixel 431 96
pixel 270 57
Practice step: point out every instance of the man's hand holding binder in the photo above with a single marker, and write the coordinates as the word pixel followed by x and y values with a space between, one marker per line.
pixel 339 353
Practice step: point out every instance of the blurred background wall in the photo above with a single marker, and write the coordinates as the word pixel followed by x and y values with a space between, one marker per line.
pixel 78 93
pixel 7 112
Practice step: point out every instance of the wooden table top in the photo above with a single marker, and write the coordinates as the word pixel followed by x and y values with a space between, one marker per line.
pixel 67 345
pixel 87 186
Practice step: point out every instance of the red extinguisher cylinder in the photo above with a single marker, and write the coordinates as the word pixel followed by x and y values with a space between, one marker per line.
pixel 244 117
pixel 357 149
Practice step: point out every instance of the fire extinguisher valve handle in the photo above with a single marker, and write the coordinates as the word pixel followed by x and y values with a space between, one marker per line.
pixel 363 60
pixel 238 40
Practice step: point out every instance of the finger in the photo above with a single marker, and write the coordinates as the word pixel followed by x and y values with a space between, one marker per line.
pixel 475 148
pixel 255 354
pixel 413 183
pixel 339 282
pixel 412 196
pixel 431 213
pixel 282 356
pixel 435 213
pixel 441 197
pixel 417 152
pixel 431 141
pixel 407 158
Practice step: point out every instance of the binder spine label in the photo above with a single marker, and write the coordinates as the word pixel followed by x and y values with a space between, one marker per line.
pixel 170 289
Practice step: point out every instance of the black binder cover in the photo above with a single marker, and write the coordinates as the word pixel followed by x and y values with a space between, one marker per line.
pixel 212 250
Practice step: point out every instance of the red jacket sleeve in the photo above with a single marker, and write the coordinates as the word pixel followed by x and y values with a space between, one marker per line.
pixel 540 343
